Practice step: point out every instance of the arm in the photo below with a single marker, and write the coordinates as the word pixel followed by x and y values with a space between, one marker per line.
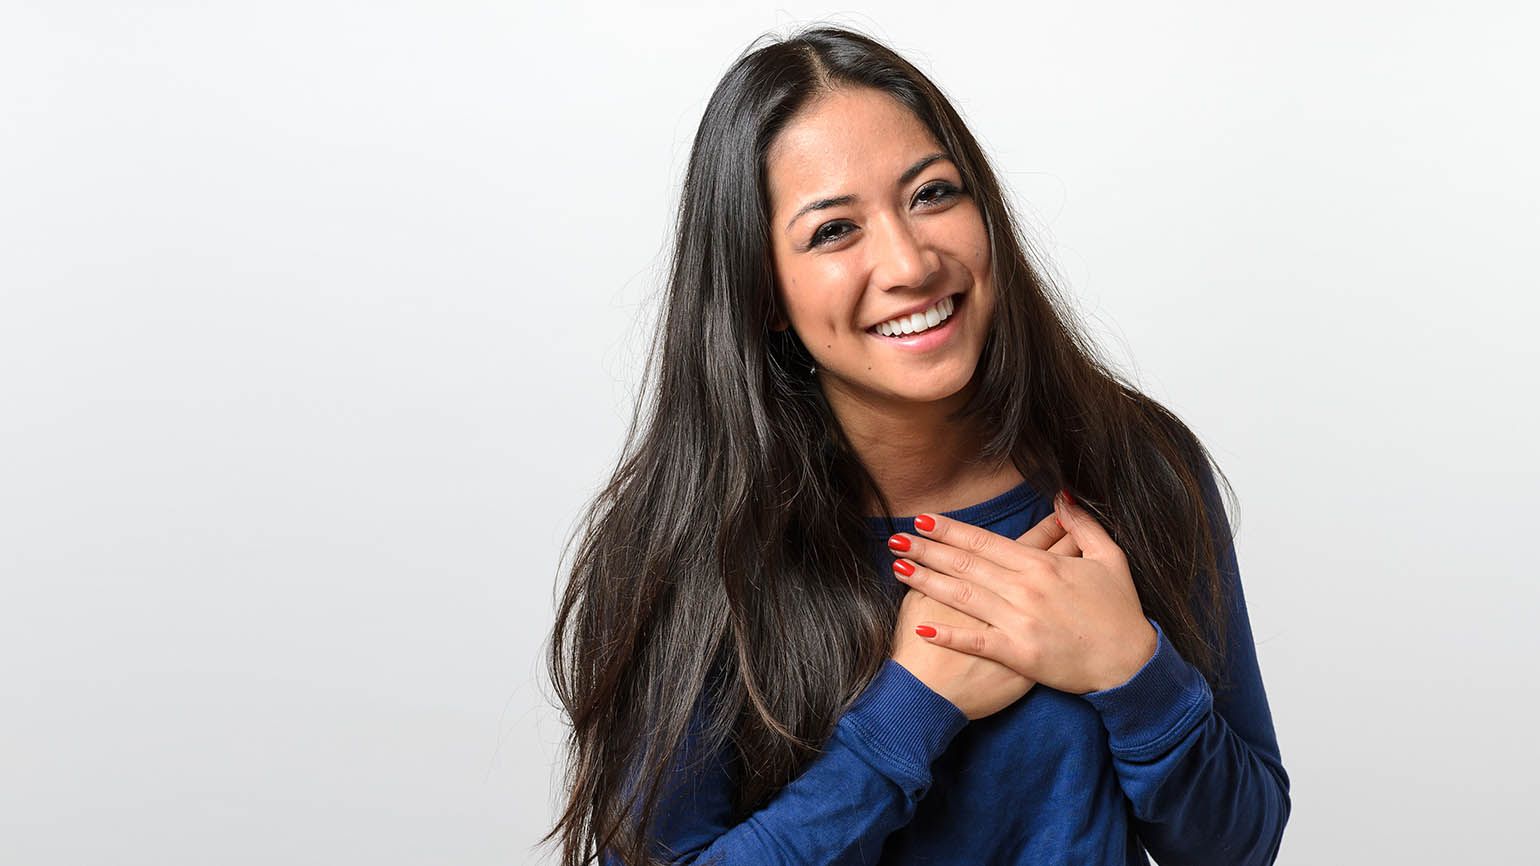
pixel 1203 774
pixel 865 784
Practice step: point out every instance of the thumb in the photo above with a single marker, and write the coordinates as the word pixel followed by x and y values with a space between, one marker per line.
pixel 1044 534
pixel 1093 540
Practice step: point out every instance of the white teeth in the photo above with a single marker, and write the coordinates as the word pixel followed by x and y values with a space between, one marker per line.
pixel 938 313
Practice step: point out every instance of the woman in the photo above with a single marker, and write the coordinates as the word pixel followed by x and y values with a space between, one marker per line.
pixel 764 663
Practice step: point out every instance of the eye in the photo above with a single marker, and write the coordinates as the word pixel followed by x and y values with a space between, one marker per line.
pixel 931 193
pixel 821 237
pixel 943 190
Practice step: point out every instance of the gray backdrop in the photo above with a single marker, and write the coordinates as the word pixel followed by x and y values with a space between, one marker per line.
pixel 319 323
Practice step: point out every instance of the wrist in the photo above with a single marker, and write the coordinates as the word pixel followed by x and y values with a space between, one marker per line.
pixel 1139 649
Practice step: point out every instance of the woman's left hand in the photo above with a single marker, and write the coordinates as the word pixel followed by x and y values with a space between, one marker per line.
pixel 1069 620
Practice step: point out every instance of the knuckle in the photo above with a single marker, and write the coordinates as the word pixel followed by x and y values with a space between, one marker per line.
pixel 1023 595
pixel 1019 625
pixel 978 642
pixel 1028 652
pixel 964 562
pixel 962 592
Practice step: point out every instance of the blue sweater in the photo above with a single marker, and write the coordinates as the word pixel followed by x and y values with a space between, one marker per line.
pixel 1159 764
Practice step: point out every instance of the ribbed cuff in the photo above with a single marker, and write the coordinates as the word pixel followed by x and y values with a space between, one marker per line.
pixel 901 725
pixel 1157 706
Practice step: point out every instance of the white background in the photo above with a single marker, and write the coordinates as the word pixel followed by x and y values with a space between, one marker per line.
pixel 320 322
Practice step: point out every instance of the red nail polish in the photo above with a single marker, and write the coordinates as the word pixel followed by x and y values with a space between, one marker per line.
pixel 924 522
pixel 903 566
pixel 1058 521
pixel 898 542
pixel 924 631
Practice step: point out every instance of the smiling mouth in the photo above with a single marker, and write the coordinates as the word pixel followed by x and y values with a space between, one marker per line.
pixel 954 301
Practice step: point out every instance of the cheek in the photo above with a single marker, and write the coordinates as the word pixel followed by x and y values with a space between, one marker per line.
pixel 800 304
pixel 980 248
pixel 978 264
pixel 821 298
pixel 788 292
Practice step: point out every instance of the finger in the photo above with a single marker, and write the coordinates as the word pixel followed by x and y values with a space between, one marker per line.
pixel 975 600
pixel 986 642
pixel 1045 534
pixel 993 548
pixel 1093 540
pixel 957 562
pixel 1066 546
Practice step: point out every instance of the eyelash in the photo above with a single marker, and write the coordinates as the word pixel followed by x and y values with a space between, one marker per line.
pixel 947 191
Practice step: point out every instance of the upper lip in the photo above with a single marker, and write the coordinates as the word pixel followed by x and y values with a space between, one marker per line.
pixel 909 311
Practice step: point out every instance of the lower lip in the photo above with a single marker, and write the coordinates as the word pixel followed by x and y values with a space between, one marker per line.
pixel 930 338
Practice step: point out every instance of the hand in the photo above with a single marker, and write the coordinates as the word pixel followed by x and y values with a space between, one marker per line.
pixel 976 685
pixel 1067 617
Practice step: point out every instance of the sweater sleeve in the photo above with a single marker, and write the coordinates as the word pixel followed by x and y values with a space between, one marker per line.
pixel 865 783
pixel 1203 773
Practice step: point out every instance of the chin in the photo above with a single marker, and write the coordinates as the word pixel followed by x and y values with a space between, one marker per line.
pixel 938 388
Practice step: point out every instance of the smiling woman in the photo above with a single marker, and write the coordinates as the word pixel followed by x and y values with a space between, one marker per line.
pixel 903 238
pixel 753 674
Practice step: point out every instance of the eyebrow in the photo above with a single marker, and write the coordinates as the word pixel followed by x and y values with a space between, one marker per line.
pixel 850 198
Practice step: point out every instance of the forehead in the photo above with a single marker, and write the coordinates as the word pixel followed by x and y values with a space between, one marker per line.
pixel 842 143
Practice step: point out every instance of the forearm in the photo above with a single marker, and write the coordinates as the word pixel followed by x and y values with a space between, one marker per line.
pixel 866 783
pixel 1200 791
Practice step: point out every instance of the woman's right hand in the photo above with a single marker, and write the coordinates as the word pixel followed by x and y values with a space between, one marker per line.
pixel 976 685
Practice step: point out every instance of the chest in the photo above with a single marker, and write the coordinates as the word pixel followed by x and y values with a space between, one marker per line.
pixel 1031 784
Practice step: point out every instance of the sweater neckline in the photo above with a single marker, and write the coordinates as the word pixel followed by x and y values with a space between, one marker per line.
pixel 979 514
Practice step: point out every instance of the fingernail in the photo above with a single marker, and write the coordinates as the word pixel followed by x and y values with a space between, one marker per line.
pixel 924 522
pixel 903 566
pixel 898 542
pixel 924 631
pixel 1058 521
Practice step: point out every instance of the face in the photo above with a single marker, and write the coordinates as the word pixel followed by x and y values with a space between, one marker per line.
pixel 890 231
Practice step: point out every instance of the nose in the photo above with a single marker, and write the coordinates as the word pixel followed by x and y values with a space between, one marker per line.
pixel 904 259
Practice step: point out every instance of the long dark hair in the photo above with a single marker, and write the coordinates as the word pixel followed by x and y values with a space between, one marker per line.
pixel 724 584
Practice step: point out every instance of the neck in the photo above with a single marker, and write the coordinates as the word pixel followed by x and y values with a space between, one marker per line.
pixel 918 458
